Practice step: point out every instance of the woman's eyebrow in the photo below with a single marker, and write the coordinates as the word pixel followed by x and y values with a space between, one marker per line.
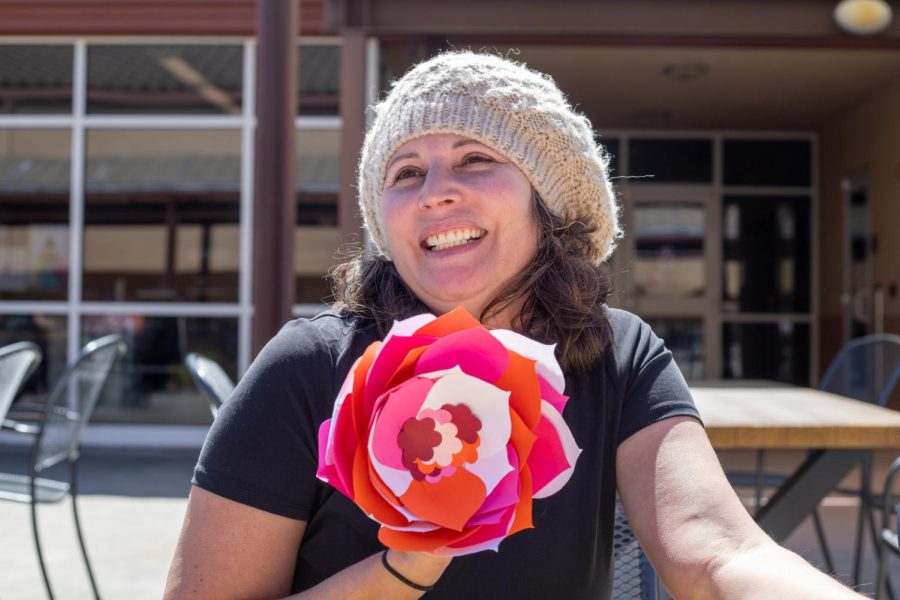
pixel 415 155
pixel 401 157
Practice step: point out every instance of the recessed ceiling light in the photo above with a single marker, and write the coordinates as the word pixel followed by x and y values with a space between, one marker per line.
pixel 863 17
pixel 686 71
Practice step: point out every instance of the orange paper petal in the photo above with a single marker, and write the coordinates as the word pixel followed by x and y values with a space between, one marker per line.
pixel 367 497
pixel 521 438
pixel 361 412
pixel 449 502
pixel 520 379
pixel 522 518
pixel 451 322
pixel 421 541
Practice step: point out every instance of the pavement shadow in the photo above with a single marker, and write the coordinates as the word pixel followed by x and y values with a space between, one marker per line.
pixel 118 472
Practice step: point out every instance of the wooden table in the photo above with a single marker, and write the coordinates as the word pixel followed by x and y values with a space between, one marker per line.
pixel 838 431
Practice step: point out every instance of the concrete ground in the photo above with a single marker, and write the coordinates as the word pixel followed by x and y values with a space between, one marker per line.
pixel 132 504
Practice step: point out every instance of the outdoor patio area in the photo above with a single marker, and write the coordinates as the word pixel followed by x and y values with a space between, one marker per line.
pixel 133 503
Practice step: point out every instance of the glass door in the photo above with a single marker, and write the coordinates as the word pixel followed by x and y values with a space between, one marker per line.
pixel 668 272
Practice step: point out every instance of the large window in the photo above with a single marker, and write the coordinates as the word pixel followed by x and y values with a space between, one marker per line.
pixel 126 180
pixel 718 251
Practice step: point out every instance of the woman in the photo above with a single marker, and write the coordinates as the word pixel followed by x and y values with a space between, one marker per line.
pixel 481 187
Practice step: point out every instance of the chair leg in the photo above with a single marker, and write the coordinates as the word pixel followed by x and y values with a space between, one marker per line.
pixel 881 577
pixel 37 539
pixel 881 556
pixel 760 479
pixel 73 488
pixel 865 474
pixel 823 543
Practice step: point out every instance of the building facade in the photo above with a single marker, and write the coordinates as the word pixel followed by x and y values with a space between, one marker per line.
pixel 756 151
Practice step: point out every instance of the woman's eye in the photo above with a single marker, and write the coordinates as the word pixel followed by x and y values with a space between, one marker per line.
pixel 476 158
pixel 405 173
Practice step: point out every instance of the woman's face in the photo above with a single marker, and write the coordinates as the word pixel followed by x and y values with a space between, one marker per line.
pixel 458 221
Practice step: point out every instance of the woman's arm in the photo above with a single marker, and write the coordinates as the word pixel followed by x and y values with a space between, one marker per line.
pixel 694 529
pixel 231 550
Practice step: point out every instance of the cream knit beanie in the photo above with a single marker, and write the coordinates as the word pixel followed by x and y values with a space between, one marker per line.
pixel 517 112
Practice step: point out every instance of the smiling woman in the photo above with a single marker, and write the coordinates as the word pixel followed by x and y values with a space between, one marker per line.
pixel 480 187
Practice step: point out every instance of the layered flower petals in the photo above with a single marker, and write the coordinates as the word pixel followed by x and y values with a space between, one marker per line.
pixel 444 433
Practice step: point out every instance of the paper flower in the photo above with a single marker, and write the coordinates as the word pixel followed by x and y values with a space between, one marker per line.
pixel 444 433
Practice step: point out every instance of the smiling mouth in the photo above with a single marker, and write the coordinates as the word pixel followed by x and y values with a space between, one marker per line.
pixel 452 239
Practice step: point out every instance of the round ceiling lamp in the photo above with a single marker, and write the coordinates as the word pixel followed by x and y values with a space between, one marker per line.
pixel 863 17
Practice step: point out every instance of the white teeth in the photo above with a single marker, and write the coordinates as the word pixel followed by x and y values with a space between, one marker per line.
pixel 450 239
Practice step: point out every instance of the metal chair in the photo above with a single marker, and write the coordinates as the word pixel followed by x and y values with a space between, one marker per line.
pixel 57 434
pixel 17 362
pixel 211 379
pixel 866 369
pixel 633 575
pixel 890 536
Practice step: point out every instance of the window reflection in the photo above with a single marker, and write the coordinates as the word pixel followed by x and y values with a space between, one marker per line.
pixel 319 69
pixel 684 338
pixel 766 254
pixel 150 384
pixel 35 79
pixel 316 234
pixel 49 333
pixel 34 214
pixel 161 215
pixel 669 242
pixel 774 351
pixel 185 79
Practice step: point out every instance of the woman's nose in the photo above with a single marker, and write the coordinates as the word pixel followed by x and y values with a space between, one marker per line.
pixel 440 189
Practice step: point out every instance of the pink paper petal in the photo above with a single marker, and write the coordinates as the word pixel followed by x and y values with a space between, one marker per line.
pixel 506 491
pixel 553 456
pixel 398 405
pixel 474 350
pixel 491 517
pixel 548 393
pixel 341 449
pixel 543 354
pixel 389 358
pixel 488 537
pixel 326 471
pixel 397 480
pixel 488 403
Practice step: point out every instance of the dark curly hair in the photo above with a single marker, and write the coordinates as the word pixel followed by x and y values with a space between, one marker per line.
pixel 563 294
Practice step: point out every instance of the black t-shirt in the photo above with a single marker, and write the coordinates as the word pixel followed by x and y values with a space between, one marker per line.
pixel 262 451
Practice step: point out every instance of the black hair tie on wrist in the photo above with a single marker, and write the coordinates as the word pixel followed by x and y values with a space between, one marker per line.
pixel 395 573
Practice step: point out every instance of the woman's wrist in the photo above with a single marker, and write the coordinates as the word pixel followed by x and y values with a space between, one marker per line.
pixel 420 567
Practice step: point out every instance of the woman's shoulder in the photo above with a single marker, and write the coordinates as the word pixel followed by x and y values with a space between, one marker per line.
pixel 632 339
pixel 327 336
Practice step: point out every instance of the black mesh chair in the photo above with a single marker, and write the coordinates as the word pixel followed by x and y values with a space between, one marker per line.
pixel 866 369
pixel 56 431
pixel 890 529
pixel 633 575
pixel 211 379
pixel 17 362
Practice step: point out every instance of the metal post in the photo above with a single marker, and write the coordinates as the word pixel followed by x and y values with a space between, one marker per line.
pixel 274 201
pixel 353 112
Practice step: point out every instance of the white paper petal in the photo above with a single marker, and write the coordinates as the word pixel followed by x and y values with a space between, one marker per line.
pixel 488 403
pixel 407 327
pixel 490 468
pixel 547 365
pixel 570 448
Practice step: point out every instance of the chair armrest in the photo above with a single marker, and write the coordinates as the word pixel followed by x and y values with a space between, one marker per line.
pixel 20 427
